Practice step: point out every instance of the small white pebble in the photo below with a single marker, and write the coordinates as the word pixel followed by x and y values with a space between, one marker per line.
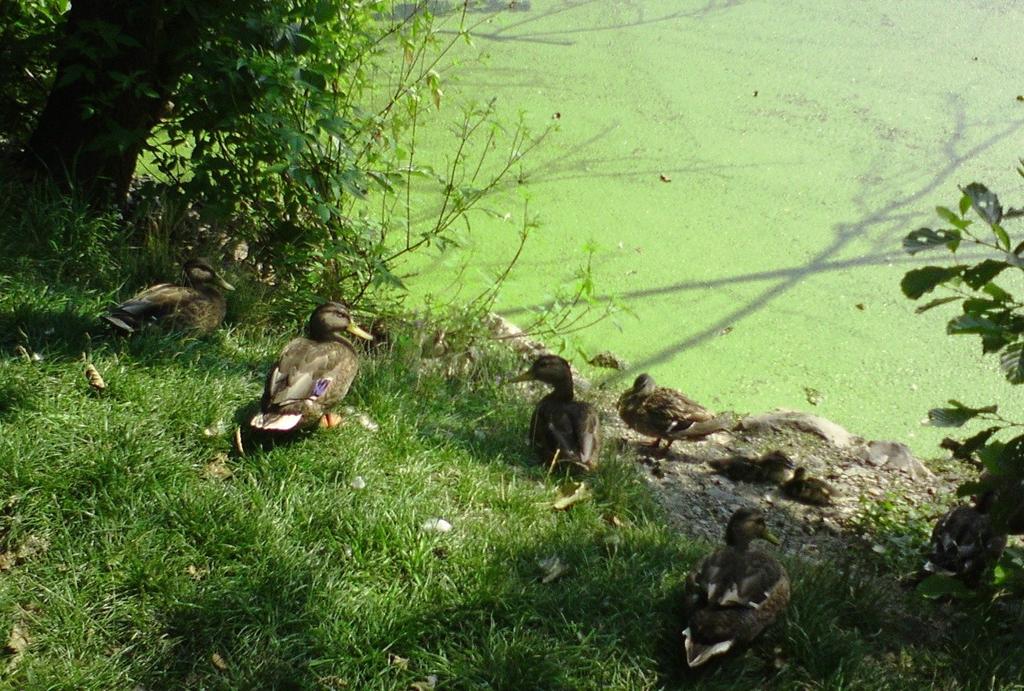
pixel 358 482
pixel 436 525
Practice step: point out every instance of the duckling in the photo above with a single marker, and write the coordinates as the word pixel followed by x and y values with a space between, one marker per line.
pixel 562 429
pixel 660 412
pixel 964 544
pixel 735 592
pixel 773 467
pixel 312 374
pixel 197 306
pixel 806 489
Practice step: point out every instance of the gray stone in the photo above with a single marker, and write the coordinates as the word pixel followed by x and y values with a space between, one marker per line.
pixel 896 456
pixel 805 422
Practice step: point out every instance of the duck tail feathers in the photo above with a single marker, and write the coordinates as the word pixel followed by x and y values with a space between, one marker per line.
pixel 699 653
pixel 275 422
pixel 121 322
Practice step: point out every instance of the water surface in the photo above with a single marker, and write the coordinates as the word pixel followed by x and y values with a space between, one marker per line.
pixel 801 141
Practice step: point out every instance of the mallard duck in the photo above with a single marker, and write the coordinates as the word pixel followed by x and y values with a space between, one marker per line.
pixel 562 429
pixel 312 374
pixel 808 490
pixel 660 412
pixel 196 306
pixel 773 466
pixel 735 592
pixel 964 544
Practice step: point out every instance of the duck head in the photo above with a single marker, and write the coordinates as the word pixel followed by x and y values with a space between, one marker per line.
pixel 330 320
pixel 200 271
pixel 644 385
pixel 747 525
pixel 549 369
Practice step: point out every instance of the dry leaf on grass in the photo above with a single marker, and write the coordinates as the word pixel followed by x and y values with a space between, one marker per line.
pixel 214 430
pixel 358 482
pixel 219 662
pixel 398 661
pixel 425 685
pixel 218 468
pixel 238 441
pixel 196 573
pixel 30 547
pixel 95 379
pixel 552 569
pixel 569 494
pixel 29 356
pixel 17 642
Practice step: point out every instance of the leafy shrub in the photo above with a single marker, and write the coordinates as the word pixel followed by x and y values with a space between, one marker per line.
pixel 991 312
pixel 285 132
pixel 28 34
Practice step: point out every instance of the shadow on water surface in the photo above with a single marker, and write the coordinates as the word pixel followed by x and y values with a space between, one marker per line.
pixel 889 220
pixel 514 31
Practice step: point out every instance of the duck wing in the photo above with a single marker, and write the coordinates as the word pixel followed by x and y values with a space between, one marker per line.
pixel 149 306
pixel 671 411
pixel 306 371
pixel 308 378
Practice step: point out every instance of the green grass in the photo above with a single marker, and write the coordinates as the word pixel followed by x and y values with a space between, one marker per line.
pixel 297 580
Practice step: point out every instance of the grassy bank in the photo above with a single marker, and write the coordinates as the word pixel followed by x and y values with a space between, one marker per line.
pixel 131 562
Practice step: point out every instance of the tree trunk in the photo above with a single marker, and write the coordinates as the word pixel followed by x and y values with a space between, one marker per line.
pixel 120 62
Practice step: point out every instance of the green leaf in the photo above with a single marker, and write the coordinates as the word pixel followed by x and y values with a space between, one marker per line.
pixel 337 126
pixel 1012 362
pixel 965 204
pixel 926 239
pixel 936 302
pixel 980 274
pixel 1001 236
pixel 990 455
pixel 1011 458
pixel 313 79
pixel 952 218
pixel 973 324
pixel 993 342
pixel 924 280
pixel 985 203
pixel 997 293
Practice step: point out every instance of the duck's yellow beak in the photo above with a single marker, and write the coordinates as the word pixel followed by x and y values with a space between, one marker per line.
pixel 354 329
pixel 770 537
pixel 224 284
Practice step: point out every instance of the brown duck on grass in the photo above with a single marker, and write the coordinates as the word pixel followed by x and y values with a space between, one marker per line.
pixel 735 592
pixel 662 413
pixel 198 305
pixel 562 429
pixel 312 374
pixel 964 544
